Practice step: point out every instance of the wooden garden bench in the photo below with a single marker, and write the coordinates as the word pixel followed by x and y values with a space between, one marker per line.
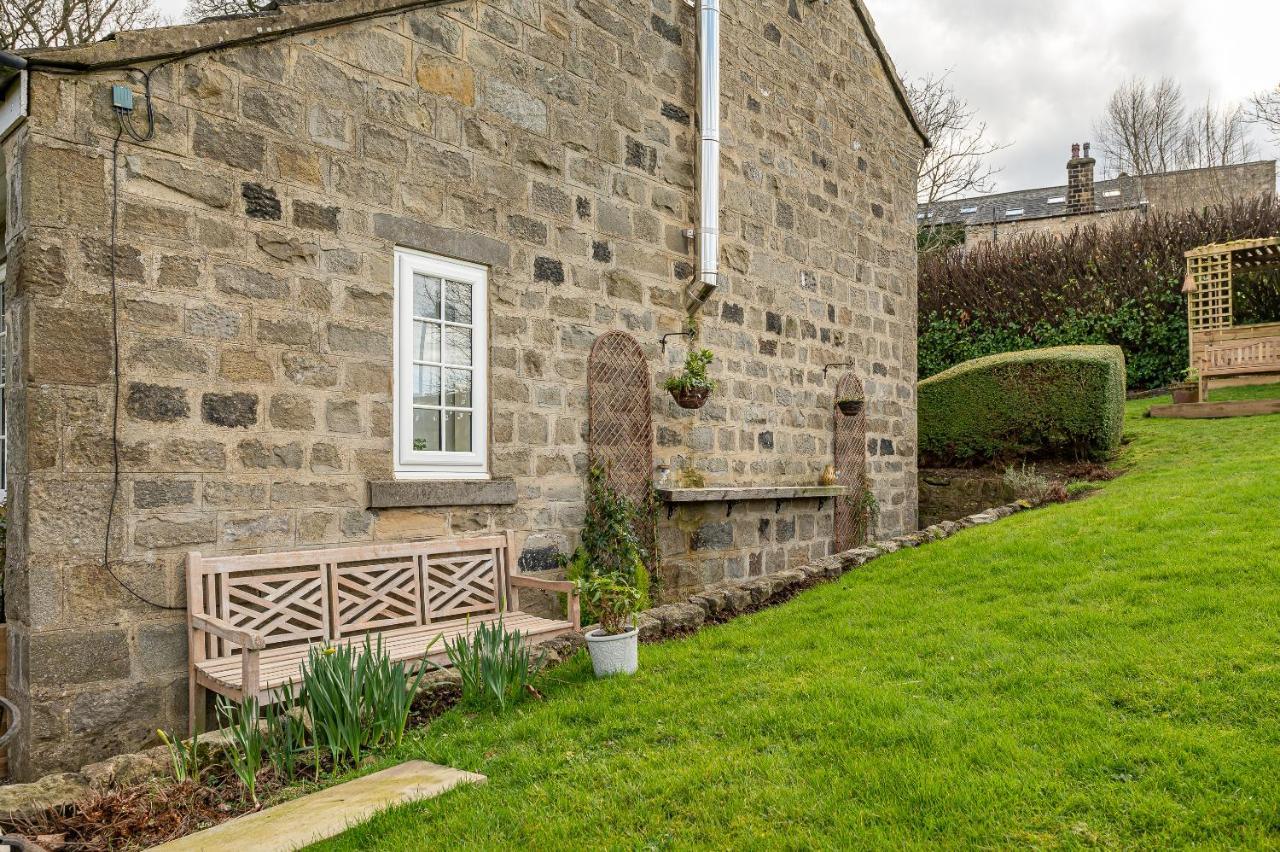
pixel 1237 358
pixel 252 619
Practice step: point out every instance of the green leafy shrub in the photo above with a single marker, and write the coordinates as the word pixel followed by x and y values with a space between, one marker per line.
pixel 240 722
pixel 1115 284
pixel 184 756
pixel 610 543
pixel 495 666
pixel 1063 402
pixel 286 735
pixel 613 601
pixel 357 699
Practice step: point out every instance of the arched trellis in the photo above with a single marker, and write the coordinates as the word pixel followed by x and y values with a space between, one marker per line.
pixel 850 450
pixel 620 428
pixel 620 422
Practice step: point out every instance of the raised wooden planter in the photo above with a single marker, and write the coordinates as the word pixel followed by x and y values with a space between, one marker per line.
pixel 1215 410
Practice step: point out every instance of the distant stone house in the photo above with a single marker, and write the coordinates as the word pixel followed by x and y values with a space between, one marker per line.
pixel 521 173
pixel 1084 201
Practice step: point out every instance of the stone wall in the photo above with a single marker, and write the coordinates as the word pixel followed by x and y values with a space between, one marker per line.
pixel 551 140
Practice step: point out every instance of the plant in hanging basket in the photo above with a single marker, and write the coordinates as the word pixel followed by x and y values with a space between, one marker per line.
pixel 691 387
pixel 850 405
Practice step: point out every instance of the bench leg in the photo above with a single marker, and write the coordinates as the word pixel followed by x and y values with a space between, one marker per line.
pixel 196 700
pixel 1204 389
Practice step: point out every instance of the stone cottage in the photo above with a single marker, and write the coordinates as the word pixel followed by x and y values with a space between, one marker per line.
pixel 287 192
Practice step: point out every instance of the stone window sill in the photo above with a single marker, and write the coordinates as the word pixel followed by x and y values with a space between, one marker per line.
pixel 419 493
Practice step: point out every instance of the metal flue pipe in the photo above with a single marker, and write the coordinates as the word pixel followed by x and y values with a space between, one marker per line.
pixel 708 155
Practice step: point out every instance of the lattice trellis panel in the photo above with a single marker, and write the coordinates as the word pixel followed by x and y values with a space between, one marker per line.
pixel 851 467
pixel 461 584
pixel 375 595
pixel 285 606
pixel 621 425
pixel 1210 306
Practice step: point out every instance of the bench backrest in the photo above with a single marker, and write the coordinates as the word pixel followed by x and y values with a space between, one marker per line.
pixel 1261 352
pixel 300 597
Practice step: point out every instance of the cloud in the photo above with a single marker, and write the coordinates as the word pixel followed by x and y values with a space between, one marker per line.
pixel 1040 72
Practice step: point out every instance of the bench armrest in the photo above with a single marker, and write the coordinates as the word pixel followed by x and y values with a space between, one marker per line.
pixel 250 640
pixel 568 587
pixel 546 585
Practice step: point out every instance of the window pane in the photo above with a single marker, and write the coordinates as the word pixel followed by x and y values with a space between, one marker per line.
pixel 457 431
pixel 457 307
pixel 426 341
pixel 426 385
pixel 457 388
pixel 457 345
pixel 426 430
pixel 426 296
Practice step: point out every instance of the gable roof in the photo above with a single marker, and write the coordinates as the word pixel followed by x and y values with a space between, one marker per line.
pixel 1122 193
pixel 284 17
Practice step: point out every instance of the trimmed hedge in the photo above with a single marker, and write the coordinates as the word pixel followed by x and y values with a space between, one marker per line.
pixel 1065 402
pixel 1118 284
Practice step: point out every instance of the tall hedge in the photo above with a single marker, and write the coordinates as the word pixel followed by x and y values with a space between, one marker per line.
pixel 1064 402
pixel 1118 284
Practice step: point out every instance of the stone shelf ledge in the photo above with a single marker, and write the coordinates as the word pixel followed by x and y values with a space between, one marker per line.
pixel 777 493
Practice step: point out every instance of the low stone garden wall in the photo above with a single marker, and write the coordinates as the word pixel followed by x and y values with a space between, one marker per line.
pixel 715 604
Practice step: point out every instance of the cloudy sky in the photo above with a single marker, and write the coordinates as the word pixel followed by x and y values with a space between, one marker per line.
pixel 1040 71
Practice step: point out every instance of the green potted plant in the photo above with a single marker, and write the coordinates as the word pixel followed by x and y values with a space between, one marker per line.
pixel 850 404
pixel 1187 391
pixel 614 644
pixel 691 387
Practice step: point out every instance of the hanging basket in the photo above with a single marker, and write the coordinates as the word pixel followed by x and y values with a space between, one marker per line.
pixel 850 407
pixel 691 398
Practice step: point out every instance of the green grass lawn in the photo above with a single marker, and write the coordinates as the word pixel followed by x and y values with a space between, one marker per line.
pixel 1102 673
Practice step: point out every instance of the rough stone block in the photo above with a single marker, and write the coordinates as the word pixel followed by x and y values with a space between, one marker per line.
pixel 232 410
pixel 77 657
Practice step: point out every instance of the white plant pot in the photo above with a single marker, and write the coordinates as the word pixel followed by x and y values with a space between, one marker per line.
pixel 614 655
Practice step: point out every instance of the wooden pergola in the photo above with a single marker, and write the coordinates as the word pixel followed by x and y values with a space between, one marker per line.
pixel 1220 349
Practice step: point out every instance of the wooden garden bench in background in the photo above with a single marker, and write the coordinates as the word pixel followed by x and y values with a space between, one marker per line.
pixel 1238 358
pixel 253 619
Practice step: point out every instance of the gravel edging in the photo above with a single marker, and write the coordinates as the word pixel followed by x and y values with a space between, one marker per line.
pixel 716 604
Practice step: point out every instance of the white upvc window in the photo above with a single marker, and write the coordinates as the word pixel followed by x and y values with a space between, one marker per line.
pixel 441 368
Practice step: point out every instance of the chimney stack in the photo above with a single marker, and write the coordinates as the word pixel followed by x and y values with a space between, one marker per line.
pixel 1080 180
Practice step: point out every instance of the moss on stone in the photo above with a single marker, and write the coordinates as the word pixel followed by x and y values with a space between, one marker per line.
pixel 1067 402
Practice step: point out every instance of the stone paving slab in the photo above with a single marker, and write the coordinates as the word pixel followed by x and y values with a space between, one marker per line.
pixel 315 816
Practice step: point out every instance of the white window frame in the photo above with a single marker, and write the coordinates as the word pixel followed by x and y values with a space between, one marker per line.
pixel 416 464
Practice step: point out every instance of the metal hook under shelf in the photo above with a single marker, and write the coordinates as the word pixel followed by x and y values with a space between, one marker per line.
pixel 663 340
pixel 826 367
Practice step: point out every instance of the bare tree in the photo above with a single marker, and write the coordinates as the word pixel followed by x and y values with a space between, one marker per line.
pixel 1265 110
pixel 57 23
pixel 1216 137
pixel 198 10
pixel 1144 128
pixel 958 163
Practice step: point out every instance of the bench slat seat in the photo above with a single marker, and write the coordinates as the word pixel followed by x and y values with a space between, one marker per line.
pixel 252 620
pixel 278 666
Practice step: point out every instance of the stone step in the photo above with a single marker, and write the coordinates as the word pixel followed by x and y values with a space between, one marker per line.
pixel 315 816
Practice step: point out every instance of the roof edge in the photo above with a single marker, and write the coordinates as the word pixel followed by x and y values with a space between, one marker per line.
pixel 886 62
pixel 180 40
pixel 138 46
